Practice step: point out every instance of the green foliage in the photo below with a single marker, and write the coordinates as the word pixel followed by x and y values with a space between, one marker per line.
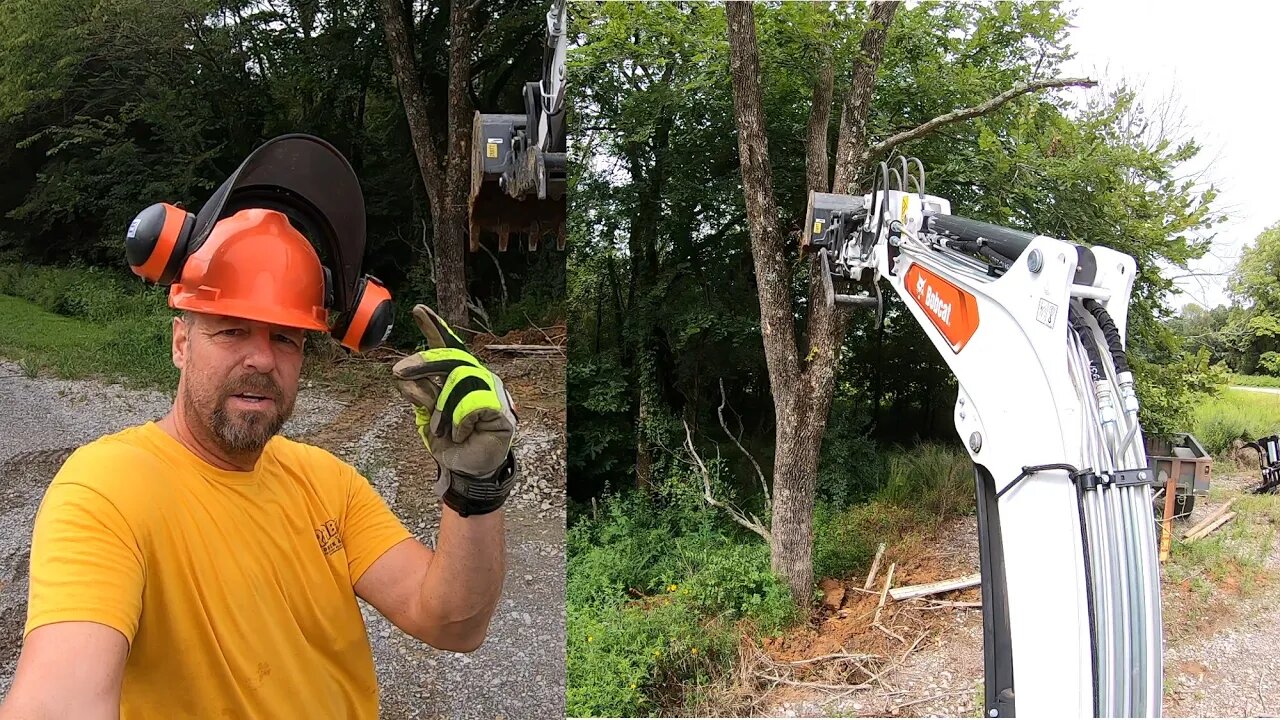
pixel 108 106
pixel 1252 331
pixel 86 321
pixel 1267 381
pixel 935 479
pixel 656 588
pixel 1235 415
pixel 851 467
pixel 1170 392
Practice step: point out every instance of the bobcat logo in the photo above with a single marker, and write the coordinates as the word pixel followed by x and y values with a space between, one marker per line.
pixel 328 537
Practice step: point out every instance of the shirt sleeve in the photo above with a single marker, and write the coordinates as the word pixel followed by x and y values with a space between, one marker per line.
pixel 86 564
pixel 370 528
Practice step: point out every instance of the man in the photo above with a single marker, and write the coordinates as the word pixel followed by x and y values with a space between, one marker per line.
pixel 204 566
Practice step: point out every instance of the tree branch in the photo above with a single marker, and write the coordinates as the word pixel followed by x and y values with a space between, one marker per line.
pixel 764 485
pixel 852 142
pixel 820 111
pixel 753 524
pixel 994 103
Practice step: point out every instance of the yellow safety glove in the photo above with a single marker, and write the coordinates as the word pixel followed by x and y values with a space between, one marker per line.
pixel 464 416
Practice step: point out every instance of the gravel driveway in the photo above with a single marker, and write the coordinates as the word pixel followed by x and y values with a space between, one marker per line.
pixel 518 673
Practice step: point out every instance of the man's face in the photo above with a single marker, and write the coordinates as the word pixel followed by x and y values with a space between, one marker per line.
pixel 239 377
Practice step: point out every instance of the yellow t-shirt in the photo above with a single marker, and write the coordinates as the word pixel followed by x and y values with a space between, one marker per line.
pixel 234 589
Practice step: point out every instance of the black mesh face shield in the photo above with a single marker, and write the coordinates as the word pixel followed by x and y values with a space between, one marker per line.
pixel 309 181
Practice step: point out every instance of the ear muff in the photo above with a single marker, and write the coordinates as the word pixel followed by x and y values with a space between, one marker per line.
pixel 328 287
pixel 157 242
pixel 370 320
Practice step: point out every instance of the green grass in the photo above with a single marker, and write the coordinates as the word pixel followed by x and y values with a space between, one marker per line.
pixel 85 322
pixel 1236 415
pixel 1229 562
pixel 1270 381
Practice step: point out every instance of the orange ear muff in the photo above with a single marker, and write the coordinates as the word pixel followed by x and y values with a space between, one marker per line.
pixel 371 317
pixel 156 244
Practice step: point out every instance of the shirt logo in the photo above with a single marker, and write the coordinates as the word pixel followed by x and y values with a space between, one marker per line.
pixel 328 537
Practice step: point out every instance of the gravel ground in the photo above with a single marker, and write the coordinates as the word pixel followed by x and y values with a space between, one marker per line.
pixel 518 673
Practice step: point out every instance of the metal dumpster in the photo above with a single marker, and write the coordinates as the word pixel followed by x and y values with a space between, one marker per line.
pixel 1180 455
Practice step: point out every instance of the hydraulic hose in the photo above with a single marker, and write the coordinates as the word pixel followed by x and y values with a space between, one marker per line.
pixel 1087 339
pixel 1110 332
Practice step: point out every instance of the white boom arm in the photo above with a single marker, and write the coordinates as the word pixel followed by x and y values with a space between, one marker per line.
pixel 1032 327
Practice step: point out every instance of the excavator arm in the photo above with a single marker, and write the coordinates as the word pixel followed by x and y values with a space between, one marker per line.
pixel 1033 329
pixel 518 161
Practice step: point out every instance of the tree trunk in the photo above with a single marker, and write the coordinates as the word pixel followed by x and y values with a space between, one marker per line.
pixel 445 178
pixel 802 391
pixel 451 240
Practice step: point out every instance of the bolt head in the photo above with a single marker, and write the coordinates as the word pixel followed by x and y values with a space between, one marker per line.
pixel 1035 261
pixel 975 441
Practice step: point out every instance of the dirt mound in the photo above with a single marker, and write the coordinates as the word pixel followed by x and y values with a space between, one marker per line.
pixel 843 648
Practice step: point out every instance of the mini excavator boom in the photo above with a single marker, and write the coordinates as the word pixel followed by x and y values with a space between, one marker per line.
pixel 1033 329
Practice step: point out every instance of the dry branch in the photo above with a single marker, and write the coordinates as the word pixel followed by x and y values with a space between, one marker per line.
pixel 764 485
pixel 751 523
pixel 875 566
pixel 944 604
pixel 527 349
pixel 925 128
pixel 1217 513
pixel 915 591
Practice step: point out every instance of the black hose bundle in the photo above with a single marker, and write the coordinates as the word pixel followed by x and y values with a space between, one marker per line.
pixel 1076 318
pixel 1110 332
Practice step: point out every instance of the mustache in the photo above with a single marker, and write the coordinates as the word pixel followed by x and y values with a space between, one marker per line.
pixel 255 384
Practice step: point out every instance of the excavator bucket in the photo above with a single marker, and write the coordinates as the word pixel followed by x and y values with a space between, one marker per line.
pixel 516 189
pixel 518 161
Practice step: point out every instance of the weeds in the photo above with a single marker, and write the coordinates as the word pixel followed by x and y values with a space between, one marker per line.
pixel 1254 380
pixel 656 576
pixel 30 369
pixel 1236 415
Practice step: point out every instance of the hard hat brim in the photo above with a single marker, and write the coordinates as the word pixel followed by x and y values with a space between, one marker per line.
pixel 247 310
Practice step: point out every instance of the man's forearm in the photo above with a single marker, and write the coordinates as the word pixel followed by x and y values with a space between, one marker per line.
pixel 464 581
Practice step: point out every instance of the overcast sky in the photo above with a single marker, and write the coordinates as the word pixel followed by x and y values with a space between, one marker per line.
pixel 1220 63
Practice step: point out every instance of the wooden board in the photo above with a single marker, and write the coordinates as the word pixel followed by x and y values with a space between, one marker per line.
pixel 915 591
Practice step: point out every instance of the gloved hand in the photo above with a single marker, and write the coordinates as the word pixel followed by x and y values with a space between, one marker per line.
pixel 464 416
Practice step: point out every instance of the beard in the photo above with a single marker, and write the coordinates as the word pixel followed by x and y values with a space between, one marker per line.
pixel 240 432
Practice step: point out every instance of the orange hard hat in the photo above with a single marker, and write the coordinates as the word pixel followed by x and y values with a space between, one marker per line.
pixel 255 265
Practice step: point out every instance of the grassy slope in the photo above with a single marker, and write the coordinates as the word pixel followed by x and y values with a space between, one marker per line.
pixel 38 338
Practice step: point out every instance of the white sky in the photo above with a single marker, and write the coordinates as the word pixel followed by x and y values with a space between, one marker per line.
pixel 1220 62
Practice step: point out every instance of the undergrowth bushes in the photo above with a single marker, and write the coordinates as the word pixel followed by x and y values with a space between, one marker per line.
pixel 661 586
pixel 657 587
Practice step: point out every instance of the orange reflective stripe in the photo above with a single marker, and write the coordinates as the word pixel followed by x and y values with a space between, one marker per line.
pixel 952 310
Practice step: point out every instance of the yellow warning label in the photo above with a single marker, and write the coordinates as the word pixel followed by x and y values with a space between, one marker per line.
pixel 491 150
pixel 905 203
pixel 817 227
